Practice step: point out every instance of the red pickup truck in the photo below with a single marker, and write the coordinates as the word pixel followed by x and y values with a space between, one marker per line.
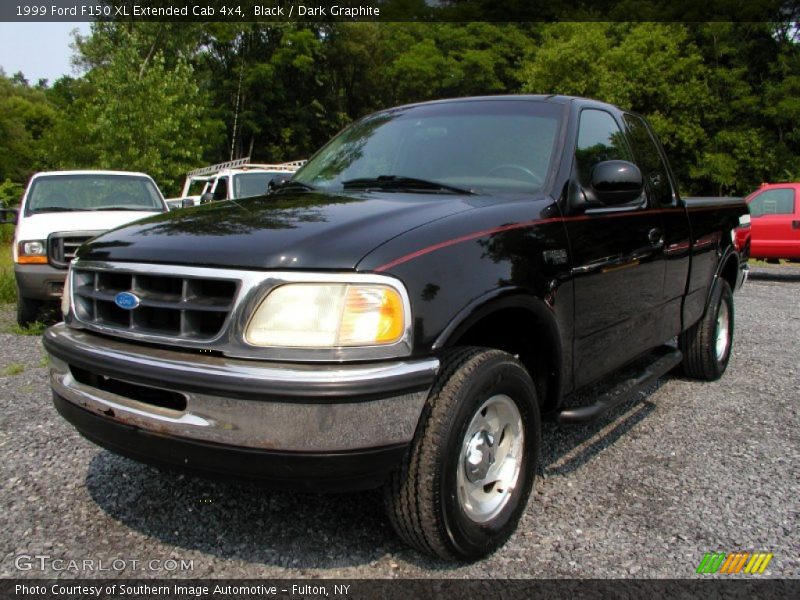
pixel 774 230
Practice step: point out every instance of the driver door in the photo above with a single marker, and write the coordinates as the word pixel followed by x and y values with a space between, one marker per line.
pixel 617 261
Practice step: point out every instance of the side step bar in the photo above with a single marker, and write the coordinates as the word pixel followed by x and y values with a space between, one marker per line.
pixel 666 359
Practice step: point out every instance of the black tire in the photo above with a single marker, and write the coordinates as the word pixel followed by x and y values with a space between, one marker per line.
pixel 699 342
pixel 28 310
pixel 422 496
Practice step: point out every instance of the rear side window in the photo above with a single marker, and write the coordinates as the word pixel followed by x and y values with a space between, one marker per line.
pixel 246 185
pixel 221 191
pixel 649 160
pixel 773 202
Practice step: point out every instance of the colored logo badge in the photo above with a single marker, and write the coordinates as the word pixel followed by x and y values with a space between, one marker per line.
pixel 752 563
pixel 126 300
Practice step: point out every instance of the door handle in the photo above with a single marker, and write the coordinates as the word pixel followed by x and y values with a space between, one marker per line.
pixel 795 224
pixel 656 237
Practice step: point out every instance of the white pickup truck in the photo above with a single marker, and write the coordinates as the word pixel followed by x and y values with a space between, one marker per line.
pixel 59 211
pixel 230 181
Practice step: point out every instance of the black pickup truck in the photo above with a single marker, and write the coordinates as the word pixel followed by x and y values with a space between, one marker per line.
pixel 404 310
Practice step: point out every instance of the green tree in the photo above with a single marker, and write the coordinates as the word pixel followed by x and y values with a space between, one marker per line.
pixel 135 113
pixel 26 116
pixel 651 68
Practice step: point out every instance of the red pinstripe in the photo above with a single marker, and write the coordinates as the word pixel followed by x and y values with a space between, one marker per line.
pixel 493 230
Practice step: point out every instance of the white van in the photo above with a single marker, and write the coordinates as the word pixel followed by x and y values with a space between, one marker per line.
pixel 230 180
pixel 59 211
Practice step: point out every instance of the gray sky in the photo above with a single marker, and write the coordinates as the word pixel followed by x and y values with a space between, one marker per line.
pixel 39 50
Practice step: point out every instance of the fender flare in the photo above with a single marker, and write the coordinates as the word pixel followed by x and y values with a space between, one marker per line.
pixel 728 255
pixel 497 300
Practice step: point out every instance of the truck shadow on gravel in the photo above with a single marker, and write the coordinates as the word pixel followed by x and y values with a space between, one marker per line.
pixel 242 521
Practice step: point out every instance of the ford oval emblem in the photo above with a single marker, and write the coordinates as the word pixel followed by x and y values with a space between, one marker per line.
pixel 126 300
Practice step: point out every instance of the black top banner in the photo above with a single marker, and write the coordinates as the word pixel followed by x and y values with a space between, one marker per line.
pixel 315 11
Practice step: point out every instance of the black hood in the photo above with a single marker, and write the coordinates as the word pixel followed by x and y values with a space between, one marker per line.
pixel 303 230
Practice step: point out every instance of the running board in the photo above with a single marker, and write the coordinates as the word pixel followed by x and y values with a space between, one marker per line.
pixel 667 358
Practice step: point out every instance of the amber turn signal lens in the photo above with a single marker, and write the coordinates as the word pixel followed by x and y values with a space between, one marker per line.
pixel 371 315
pixel 32 260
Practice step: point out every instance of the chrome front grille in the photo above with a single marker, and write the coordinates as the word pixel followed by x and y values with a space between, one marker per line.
pixel 62 246
pixel 176 306
pixel 203 309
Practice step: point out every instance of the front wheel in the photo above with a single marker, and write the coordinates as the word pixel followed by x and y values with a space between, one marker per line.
pixel 707 344
pixel 466 480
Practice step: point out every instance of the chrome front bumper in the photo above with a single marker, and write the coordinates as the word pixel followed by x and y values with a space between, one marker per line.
pixel 243 403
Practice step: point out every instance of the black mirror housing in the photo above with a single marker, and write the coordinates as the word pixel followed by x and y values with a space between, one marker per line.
pixel 187 202
pixel 617 182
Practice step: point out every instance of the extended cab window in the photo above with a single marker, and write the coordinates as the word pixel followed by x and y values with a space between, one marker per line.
pixel 649 160
pixel 773 202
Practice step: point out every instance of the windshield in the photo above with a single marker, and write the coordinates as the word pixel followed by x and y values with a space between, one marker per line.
pixel 484 146
pixel 252 184
pixel 60 193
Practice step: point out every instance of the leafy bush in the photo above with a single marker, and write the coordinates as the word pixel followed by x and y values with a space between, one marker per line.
pixel 10 193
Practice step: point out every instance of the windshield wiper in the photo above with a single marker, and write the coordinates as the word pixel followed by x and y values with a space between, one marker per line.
pixel 45 209
pixel 143 208
pixel 400 182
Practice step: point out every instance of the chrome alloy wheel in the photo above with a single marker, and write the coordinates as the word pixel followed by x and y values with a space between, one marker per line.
pixel 723 329
pixel 490 459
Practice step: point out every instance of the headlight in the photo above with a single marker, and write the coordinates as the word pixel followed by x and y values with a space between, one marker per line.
pixel 325 315
pixel 32 252
pixel 66 295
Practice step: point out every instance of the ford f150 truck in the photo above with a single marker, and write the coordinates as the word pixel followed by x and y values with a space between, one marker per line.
pixel 404 310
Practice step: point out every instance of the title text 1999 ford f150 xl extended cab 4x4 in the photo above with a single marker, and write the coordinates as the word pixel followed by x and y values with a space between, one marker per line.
pixel 403 310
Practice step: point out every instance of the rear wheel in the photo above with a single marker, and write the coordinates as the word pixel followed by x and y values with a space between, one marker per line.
pixel 707 345
pixel 466 480
pixel 28 310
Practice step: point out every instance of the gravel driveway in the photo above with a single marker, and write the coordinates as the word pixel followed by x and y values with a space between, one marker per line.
pixel 686 469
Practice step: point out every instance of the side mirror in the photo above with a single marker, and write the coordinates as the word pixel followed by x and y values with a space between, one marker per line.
pixel 187 202
pixel 617 182
pixel 278 181
pixel 206 198
pixel 8 215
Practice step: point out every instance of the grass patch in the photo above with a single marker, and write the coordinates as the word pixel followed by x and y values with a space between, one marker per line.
pixel 45 361
pixel 35 328
pixel 760 262
pixel 6 233
pixel 13 369
pixel 8 287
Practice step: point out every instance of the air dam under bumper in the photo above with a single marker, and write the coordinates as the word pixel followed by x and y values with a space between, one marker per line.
pixel 320 427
